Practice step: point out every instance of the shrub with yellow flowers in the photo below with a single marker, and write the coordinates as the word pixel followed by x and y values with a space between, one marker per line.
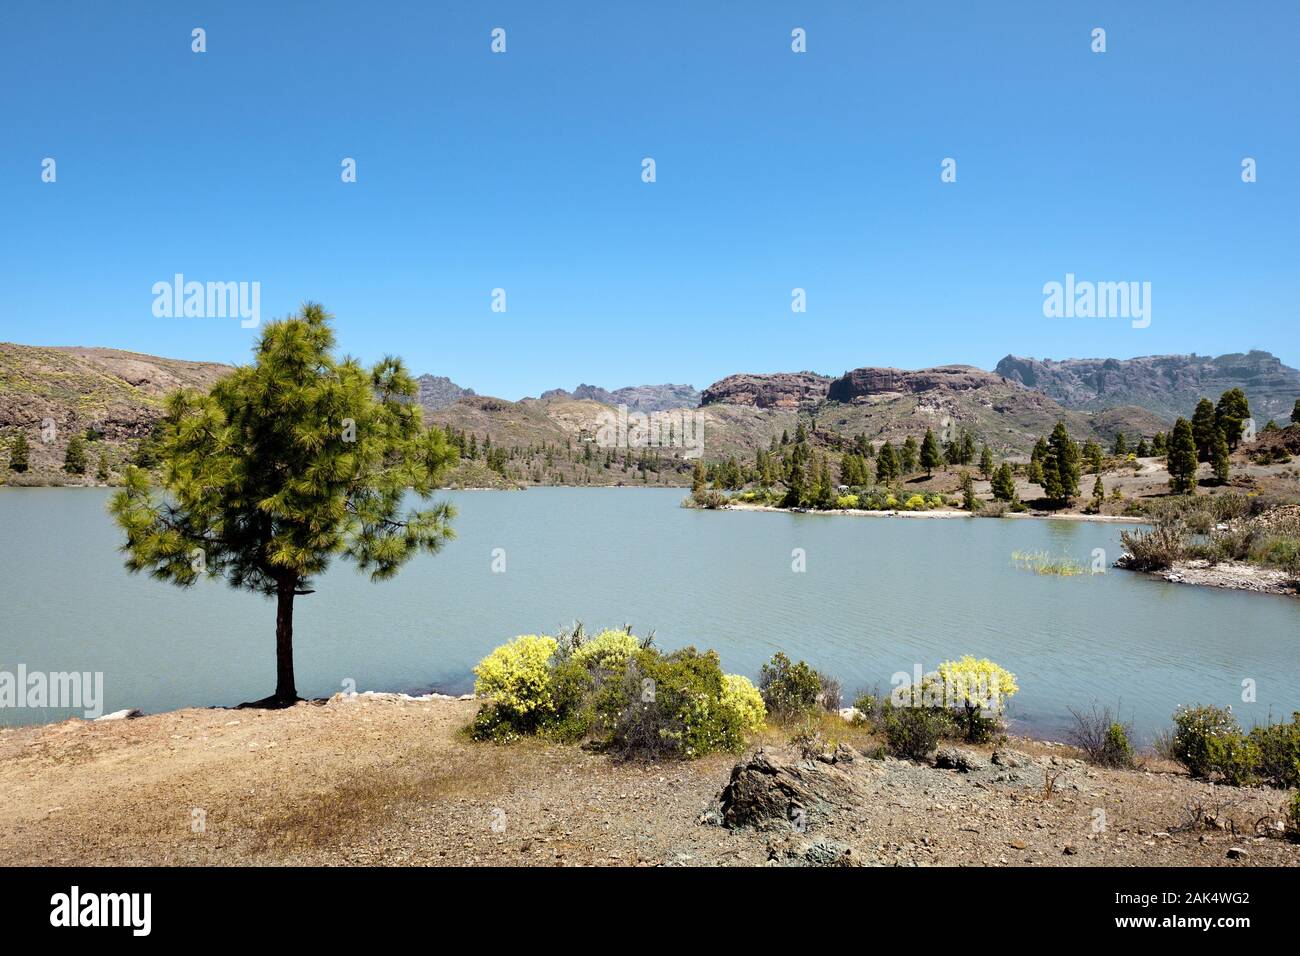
pixel 977 689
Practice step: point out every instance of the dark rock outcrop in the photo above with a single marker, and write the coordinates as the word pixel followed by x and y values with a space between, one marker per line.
pixel 789 390
pixel 866 382
pixel 770 790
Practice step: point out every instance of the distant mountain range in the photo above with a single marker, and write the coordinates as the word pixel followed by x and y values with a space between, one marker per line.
pixel 116 396
pixel 1169 385
pixel 638 398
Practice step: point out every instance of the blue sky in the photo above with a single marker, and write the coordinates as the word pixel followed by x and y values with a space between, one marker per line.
pixel 775 170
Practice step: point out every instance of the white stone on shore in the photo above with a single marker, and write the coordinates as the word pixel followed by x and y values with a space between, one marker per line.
pixel 129 714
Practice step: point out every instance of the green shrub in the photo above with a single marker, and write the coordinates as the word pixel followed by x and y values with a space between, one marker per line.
pixel 1234 757
pixel 1279 752
pixel 667 705
pixel 615 694
pixel 608 651
pixel 912 733
pixel 1292 815
pixel 1103 739
pixel 1194 728
pixel 789 689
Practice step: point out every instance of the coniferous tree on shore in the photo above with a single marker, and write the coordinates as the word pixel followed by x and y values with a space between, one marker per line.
pixel 1219 459
pixel 1061 466
pixel 1093 455
pixel 284 465
pixel 19 454
pixel 74 459
pixel 986 463
pixel 887 466
pixel 907 456
pixel 1182 458
pixel 1204 427
pixel 1230 415
pixel 930 457
pixel 1003 484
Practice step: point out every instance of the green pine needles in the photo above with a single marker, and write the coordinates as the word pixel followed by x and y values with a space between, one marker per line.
pixel 284 465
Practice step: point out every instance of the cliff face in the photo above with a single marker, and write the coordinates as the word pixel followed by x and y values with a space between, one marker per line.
pixel 787 390
pixel 1169 385
pixel 867 382
pixel 438 391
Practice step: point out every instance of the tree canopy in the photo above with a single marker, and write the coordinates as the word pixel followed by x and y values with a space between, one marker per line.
pixel 284 465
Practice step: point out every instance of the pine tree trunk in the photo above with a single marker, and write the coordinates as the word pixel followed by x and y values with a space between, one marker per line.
pixel 284 684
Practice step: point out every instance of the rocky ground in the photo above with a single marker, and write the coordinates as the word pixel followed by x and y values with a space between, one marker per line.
pixel 385 780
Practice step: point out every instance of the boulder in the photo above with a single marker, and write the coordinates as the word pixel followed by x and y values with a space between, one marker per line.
pixel 770 790
pixel 950 758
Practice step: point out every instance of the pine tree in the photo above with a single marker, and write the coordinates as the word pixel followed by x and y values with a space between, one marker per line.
pixel 1159 445
pixel 1003 484
pixel 1182 458
pixel 966 448
pixel 1219 458
pixel 1295 413
pixel 1143 449
pixel 284 465
pixel 907 457
pixel 1092 454
pixel 1035 469
pixel 887 467
pixel 929 453
pixel 1098 494
pixel 74 459
pixel 19 453
pixel 800 434
pixel 1120 448
pixel 968 499
pixel 1203 428
pixel 986 462
pixel 1061 466
pixel 101 473
pixel 1230 415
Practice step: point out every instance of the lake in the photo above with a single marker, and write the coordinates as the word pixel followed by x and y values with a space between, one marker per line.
pixel 878 596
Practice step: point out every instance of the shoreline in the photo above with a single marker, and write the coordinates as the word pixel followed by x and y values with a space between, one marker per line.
pixel 390 779
pixel 934 513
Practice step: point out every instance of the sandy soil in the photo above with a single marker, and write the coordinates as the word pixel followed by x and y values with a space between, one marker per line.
pixel 381 780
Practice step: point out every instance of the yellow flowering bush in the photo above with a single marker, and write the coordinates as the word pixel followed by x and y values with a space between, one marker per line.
pixel 978 689
pixel 607 651
pixel 517 678
pixel 742 703
pixel 616 695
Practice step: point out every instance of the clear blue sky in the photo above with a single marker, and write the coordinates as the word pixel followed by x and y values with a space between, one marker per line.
pixel 775 170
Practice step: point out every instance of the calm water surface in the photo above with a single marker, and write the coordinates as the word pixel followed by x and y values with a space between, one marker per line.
pixel 879 595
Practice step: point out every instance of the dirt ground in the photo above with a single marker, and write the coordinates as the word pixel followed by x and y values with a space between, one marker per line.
pixel 381 780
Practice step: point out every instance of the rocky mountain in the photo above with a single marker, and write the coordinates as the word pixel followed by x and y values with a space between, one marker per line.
pixel 438 391
pixel 890 403
pixel 638 398
pixel 113 396
pixel 869 382
pixel 786 390
pixel 1168 385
